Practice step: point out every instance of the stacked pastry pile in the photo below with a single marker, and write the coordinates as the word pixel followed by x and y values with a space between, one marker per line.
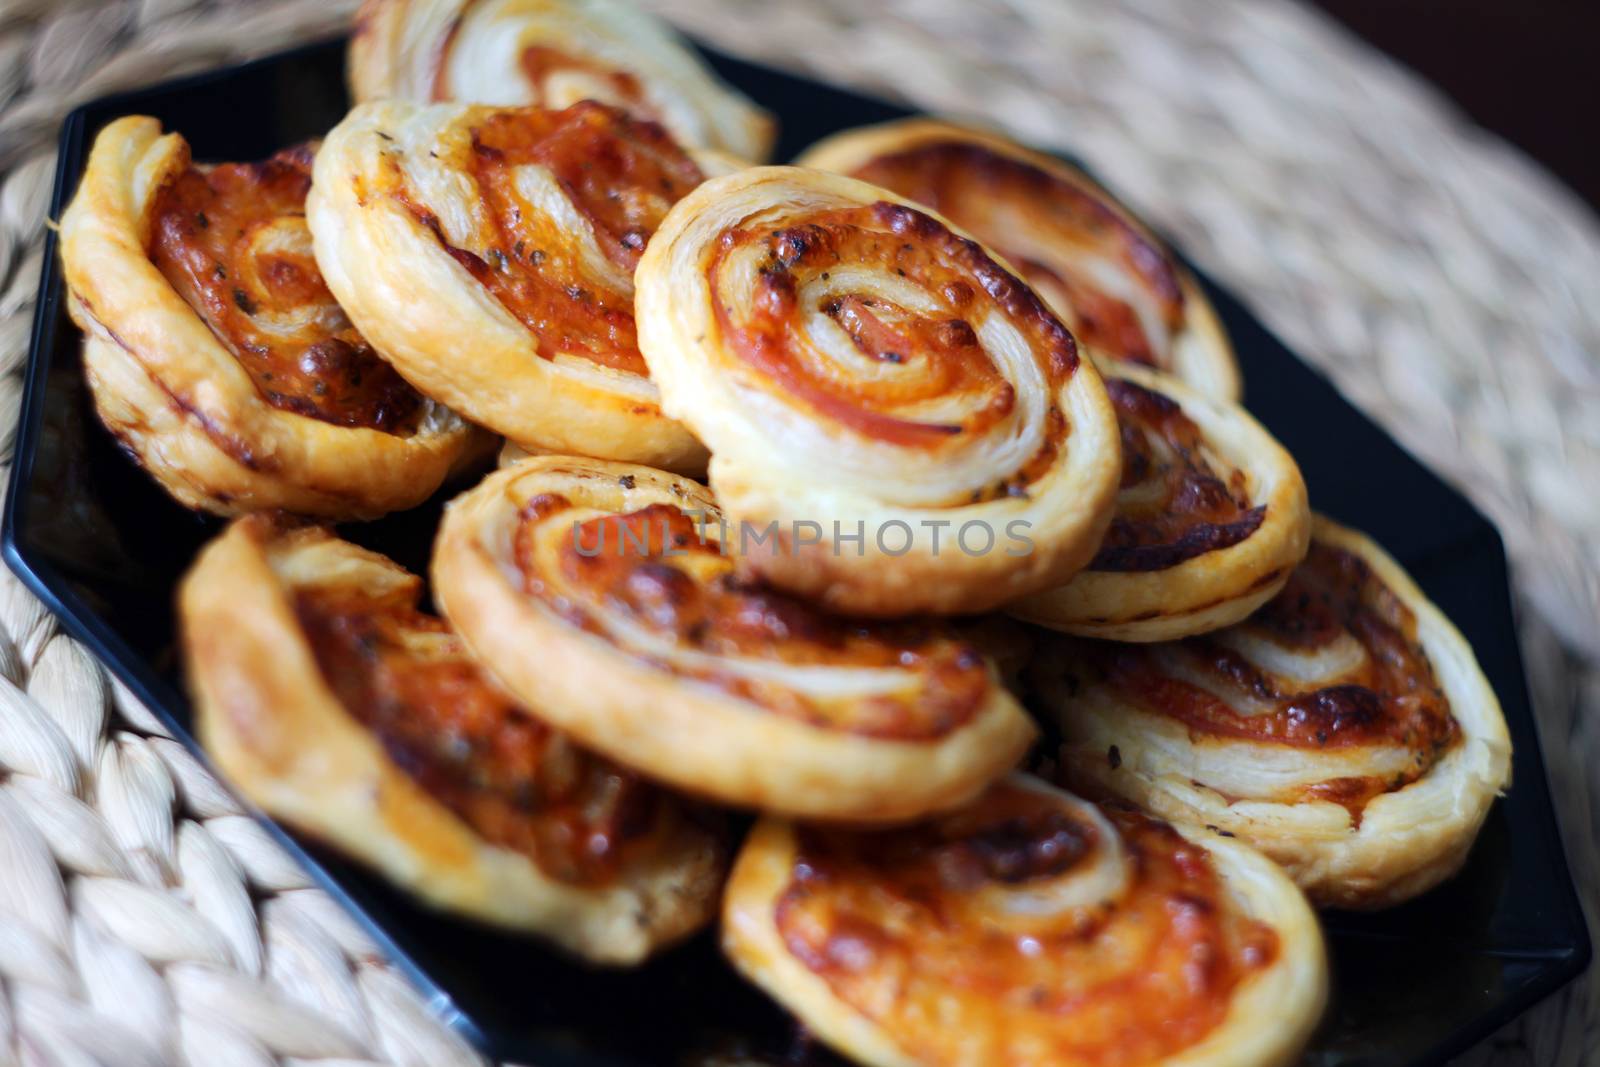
pixel 936 383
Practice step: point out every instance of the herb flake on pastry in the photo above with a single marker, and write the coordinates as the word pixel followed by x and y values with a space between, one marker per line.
pixel 216 354
pixel 1345 729
pixel 551 53
pixel 489 254
pixel 342 709
pixel 1113 283
pixel 1029 927
pixel 601 594
pixel 1210 519
pixel 859 367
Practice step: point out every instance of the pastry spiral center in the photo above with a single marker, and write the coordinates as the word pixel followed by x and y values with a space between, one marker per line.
pixel 882 321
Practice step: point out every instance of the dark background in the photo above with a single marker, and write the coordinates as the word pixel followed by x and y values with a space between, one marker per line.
pixel 1527 69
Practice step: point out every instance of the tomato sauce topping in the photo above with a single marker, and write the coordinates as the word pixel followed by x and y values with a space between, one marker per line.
pixel 232 240
pixel 407 678
pixel 890 240
pixel 885 919
pixel 1390 697
pixel 997 197
pixel 662 570
pixel 621 174
pixel 1186 508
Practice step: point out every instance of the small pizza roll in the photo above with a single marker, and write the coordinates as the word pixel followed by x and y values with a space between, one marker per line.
pixel 552 53
pixel 1110 279
pixel 489 254
pixel 214 352
pixel 340 708
pixel 649 648
pixel 1030 927
pixel 907 419
pixel 1211 518
pixel 1345 729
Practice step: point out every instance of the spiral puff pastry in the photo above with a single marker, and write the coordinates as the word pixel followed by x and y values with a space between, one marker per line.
pixel 897 423
pixel 339 707
pixel 215 354
pixel 1345 729
pixel 1211 518
pixel 1111 281
pixel 489 255
pixel 599 593
pixel 1030 927
pixel 552 53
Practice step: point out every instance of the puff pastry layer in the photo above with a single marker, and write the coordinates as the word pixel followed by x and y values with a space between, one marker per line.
pixel 652 650
pixel 1211 518
pixel 489 253
pixel 213 350
pixel 1030 927
pixel 339 707
pixel 906 417
pixel 1112 282
pixel 552 53
pixel 1345 729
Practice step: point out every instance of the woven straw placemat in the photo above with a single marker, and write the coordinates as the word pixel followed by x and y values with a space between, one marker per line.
pixel 1447 286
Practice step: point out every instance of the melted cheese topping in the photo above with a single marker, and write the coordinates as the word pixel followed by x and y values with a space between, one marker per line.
pixel 232 240
pixel 1030 927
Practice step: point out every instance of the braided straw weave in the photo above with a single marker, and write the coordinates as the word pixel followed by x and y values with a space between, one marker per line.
pixel 1445 284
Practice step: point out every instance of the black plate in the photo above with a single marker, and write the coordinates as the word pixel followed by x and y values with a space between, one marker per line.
pixel 102 546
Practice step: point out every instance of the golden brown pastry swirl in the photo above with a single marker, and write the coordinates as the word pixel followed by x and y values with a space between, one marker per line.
pixel 489 255
pixel 340 707
pixel 1028 927
pixel 216 354
pixel 1344 728
pixel 859 367
pixel 657 652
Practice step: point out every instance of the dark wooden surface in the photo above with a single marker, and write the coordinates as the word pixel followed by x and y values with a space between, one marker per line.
pixel 1527 69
